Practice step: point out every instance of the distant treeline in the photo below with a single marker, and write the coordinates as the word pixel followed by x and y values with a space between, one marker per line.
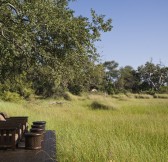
pixel 148 78
pixel 45 50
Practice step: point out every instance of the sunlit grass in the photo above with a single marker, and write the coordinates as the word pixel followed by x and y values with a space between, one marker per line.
pixel 165 96
pixel 136 131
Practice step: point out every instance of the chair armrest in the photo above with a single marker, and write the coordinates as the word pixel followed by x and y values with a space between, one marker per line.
pixel 18 117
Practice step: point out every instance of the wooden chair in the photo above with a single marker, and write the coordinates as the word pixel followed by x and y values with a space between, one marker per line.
pixel 12 130
pixel 10 134
pixel 21 119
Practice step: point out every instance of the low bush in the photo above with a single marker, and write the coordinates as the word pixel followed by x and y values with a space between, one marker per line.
pixel 67 96
pixel 96 105
pixel 75 89
pixel 11 97
pixel 164 89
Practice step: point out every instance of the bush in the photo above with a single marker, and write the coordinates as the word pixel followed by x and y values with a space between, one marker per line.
pixel 67 96
pixel 150 92
pixel 75 89
pixel 95 105
pixel 27 92
pixel 11 96
pixel 164 89
pixel 21 88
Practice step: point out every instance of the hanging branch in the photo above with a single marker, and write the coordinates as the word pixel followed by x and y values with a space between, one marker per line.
pixel 2 33
pixel 1 23
pixel 12 7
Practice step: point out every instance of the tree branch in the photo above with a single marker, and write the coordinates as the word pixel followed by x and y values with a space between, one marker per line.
pixel 11 6
pixel 2 33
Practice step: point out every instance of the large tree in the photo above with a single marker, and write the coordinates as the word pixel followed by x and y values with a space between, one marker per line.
pixel 43 46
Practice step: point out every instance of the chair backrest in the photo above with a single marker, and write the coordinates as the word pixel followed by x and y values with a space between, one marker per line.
pixel 4 114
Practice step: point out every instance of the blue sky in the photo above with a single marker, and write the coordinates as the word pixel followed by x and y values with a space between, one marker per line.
pixel 140 30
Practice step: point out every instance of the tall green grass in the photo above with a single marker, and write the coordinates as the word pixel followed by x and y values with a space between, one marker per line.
pixel 136 130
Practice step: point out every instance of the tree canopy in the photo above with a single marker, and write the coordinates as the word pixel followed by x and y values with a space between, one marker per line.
pixel 44 48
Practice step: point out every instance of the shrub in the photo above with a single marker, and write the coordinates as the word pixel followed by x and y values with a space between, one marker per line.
pixel 11 96
pixel 75 89
pixel 27 92
pixel 164 89
pixel 67 96
pixel 95 105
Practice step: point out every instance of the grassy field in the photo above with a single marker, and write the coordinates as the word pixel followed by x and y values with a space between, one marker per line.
pixel 132 130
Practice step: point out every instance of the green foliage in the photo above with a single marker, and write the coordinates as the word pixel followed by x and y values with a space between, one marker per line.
pixel 56 49
pixel 75 89
pixel 109 88
pixel 152 76
pixel 150 92
pixel 126 79
pixel 111 70
pixel 45 50
pixel 164 89
pixel 110 77
pixel 67 96
pixel 148 78
pixel 11 96
pixel 19 86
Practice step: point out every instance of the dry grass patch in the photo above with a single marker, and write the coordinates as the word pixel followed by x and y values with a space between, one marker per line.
pixel 143 96
pixel 163 96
